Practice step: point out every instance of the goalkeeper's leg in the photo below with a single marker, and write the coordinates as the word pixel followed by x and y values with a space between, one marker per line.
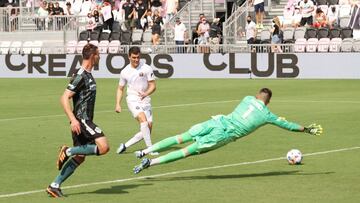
pixel 168 142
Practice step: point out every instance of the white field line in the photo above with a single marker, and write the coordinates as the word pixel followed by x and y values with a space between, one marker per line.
pixel 177 172
pixel 184 105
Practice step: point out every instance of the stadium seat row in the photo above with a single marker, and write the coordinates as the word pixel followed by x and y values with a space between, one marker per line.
pixel 18 47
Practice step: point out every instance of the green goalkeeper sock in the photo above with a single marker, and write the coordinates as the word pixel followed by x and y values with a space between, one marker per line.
pixel 168 142
pixel 66 171
pixel 176 155
pixel 83 150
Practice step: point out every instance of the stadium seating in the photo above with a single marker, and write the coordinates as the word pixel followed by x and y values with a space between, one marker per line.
pixel 344 21
pixel 147 37
pixel 288 35
pixel 84 35
pixel 323 33
pixel 114 36
pixel 27 46
pixel 323 45
pixel 346 33
pixel 347 44
pixel 333 2
pixel 311 33
pixel 94 35
pixel 15 47
pixel 114 46
pixel 80 46
pixel 312 44
pixel 321 2
pixel 335 33
pixel 356 45
pixel 335 44
pixel 300 45
pixel 136 37
pixel 104 36
pixel 103 46
pixel 265 37
pixel 5 47
pixel 344 10
pixel 71 47
pixel 37 46
pixel 125 38
pixel 299 33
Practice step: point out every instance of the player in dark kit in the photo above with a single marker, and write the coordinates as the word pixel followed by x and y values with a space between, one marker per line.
pixel 88 138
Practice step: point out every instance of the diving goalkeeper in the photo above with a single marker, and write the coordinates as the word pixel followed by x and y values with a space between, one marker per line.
pixel 249 115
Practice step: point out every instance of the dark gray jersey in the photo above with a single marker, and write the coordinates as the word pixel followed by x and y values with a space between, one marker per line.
pixel 83 85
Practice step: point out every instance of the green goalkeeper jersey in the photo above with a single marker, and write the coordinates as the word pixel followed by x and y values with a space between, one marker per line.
pixel 249 115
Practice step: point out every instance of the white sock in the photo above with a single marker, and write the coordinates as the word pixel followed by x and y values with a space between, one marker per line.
pixel 137 137
pixel 54 185
pixel 144 128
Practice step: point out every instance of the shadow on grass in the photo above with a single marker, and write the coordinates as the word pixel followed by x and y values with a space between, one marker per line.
pixel 232 176
pixel 117 189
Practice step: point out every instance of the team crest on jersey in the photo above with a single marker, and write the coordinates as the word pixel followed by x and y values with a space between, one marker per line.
pixel 141 74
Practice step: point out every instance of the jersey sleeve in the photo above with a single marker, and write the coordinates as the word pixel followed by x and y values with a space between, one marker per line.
pixel 150 74
pixel 122 81
pixel 76 82
pixel 282 123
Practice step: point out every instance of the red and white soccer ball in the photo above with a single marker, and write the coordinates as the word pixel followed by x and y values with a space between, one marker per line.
pixel 294 156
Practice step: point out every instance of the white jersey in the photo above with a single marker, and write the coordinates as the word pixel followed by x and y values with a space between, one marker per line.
pixel 136 80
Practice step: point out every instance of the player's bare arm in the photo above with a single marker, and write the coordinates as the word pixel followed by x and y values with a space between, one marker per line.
pixel 151 89
pixel 64 100
pixel 119 94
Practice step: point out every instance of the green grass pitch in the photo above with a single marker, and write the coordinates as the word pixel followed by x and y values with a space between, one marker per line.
pixel 33 126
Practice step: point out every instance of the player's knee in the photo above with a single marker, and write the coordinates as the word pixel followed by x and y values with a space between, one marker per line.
pixel 103 149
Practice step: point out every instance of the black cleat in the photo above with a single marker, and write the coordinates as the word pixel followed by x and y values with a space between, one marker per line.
pixel 62 158
pixel 121 149
pixel 54 192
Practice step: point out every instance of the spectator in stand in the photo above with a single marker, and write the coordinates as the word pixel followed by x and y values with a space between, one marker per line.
pixel 215 35
pixel 129 12
pixel 42 22
pixel 147 4
pixel 203 39
pixel 51 12
pixel 69 10
pixel 156 5
pixel 140 10
pixel 259 7
pixel 146 21
pixel 156 28
pixel 90 22
pixel 180 35
pixel 332 17
pixel 77 6
pixel 320 19
pixel 98 20
pixel 59 21
pixel 107 15
pixel 171 9
pixel 296 19
pixel 250 29
pixel 306 9
pixel 276 35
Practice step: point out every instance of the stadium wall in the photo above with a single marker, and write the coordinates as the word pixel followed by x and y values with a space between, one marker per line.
pixel 230 65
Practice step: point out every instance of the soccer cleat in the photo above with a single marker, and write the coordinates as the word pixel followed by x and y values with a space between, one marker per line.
pixel 139 154
pixel 54 192
pixel 145 163
pixel 121 149
pixel 154 153
pixel 62 158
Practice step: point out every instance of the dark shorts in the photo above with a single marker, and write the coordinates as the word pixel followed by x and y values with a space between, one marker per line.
pixel 89 132
pixel 308 20
pixel 259 7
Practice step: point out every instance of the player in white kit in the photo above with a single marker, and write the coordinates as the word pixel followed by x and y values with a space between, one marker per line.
pixel 140 81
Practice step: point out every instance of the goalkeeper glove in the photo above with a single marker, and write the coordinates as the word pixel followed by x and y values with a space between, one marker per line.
pixel 314 129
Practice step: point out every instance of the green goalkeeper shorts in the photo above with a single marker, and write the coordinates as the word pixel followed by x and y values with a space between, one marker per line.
pixel 209 135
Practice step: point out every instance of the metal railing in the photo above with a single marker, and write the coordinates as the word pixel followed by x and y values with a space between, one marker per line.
pixel 234 26
pixel 150 49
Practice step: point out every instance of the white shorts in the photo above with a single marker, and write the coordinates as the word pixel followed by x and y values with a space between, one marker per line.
pixel 136 107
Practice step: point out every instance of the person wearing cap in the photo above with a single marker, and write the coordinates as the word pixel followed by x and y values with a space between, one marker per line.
pixel 180 35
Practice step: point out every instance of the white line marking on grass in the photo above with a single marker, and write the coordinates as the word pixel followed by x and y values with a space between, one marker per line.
pixel 177 172
pixel 184 105
pixel 108 111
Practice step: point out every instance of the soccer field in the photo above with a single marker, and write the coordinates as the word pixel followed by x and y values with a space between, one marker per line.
pixel 252 169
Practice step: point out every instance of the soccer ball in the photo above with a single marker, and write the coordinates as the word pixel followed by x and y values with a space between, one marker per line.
pixel 294 156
